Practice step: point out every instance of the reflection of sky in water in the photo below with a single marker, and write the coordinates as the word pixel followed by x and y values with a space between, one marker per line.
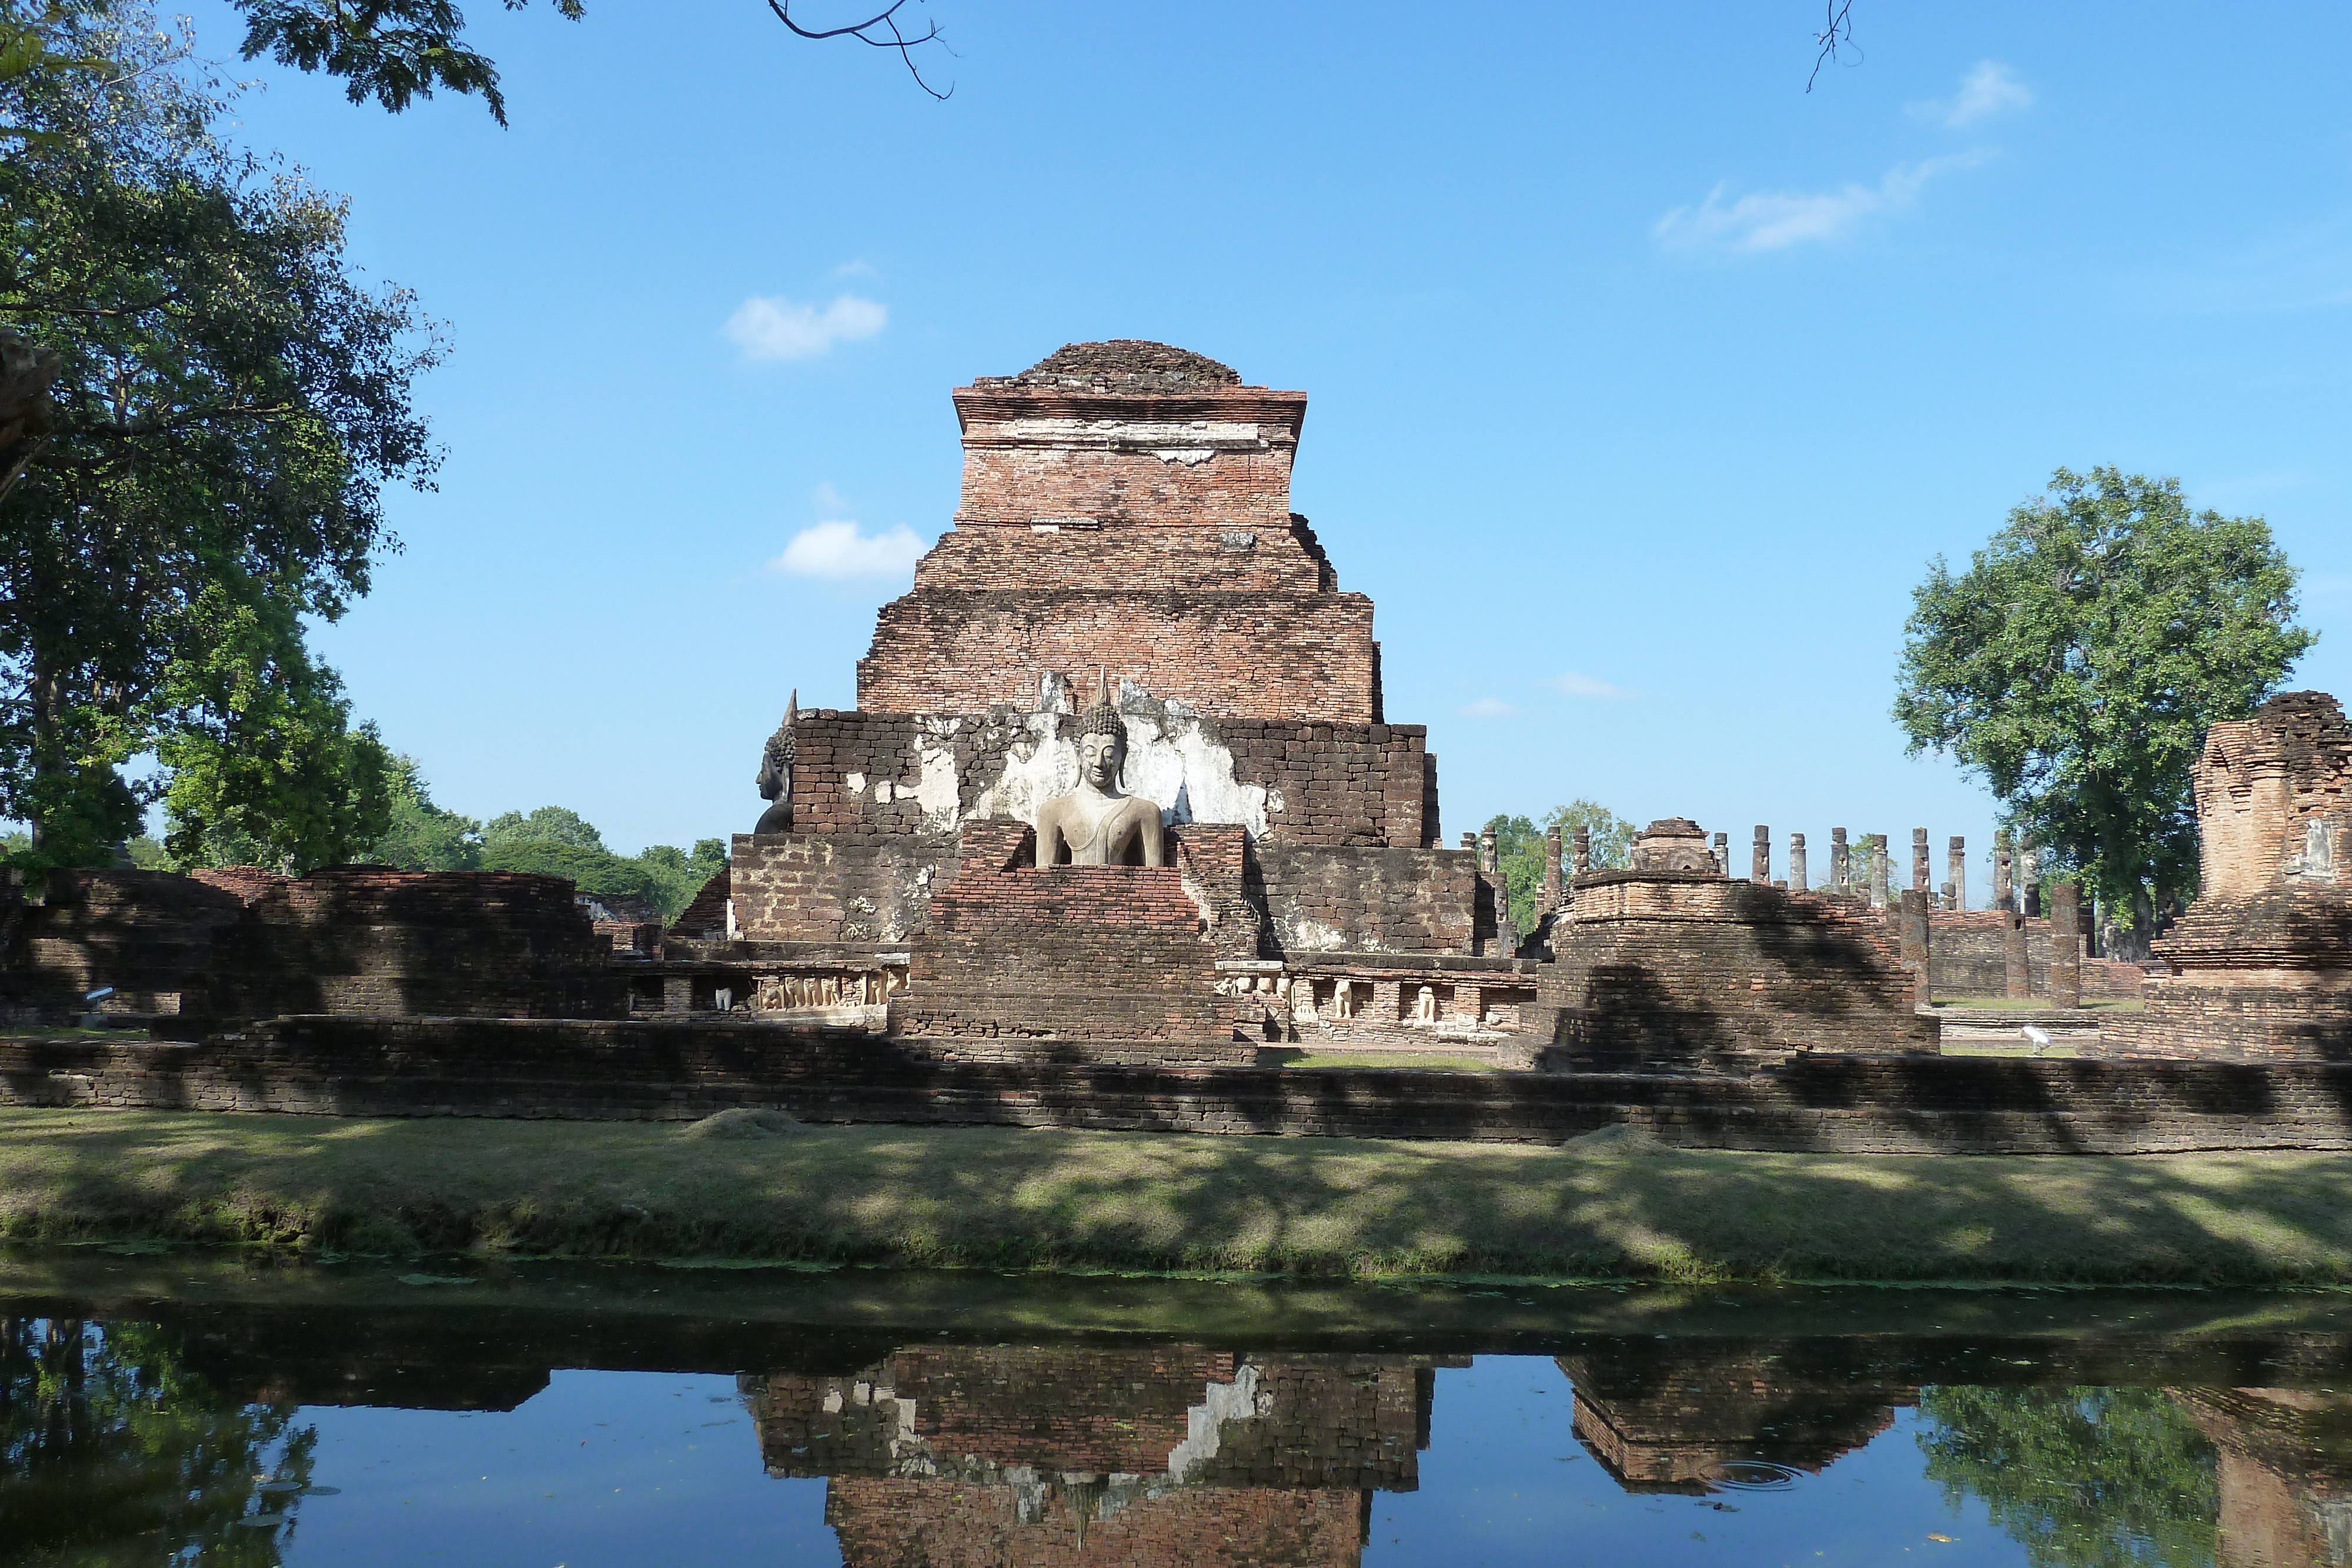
pixel 1504 1481
pixel 598 1469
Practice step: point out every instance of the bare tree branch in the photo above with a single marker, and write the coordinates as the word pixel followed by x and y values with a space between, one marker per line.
pixel 864 33
pixel 1832 40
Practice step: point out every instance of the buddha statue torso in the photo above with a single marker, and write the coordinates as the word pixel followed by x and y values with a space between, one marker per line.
pixel 1095 825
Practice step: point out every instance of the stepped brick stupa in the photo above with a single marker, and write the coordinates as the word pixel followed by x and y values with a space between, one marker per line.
pixel 2263 960
pixel 1130 652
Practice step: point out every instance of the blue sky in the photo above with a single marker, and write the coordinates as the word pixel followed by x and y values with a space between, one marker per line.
pixel 1643 383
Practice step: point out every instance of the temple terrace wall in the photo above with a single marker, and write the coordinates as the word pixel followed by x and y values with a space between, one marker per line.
pixel 645 1069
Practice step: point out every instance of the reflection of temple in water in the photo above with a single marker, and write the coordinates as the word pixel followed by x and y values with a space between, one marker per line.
pixel 1153 1455
pixel 2285 1474
pixel 1672 1421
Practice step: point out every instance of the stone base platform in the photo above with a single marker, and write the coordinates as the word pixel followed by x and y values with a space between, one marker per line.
pixel 644 1070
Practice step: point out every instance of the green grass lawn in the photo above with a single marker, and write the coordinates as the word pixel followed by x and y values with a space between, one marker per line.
pixel 1608 1204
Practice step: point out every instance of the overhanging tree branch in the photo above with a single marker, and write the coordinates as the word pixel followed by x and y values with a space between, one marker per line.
pixel 863 32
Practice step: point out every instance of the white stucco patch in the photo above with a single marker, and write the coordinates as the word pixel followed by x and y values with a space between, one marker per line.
pixel 1170 762
pixel 856 782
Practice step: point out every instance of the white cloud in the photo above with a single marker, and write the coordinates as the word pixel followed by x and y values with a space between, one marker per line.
pixel 1775 220
pixel 858 269
pixel 836 549
pixel 1488 708
pixel 779 328
pixel 1577 686
pixel 1988 88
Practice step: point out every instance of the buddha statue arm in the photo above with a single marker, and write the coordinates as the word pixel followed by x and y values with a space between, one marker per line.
pixel 1154 836
pixel 1049 835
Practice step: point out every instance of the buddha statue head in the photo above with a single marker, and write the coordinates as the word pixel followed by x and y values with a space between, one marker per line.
pixel 1102 740
pixel 775 781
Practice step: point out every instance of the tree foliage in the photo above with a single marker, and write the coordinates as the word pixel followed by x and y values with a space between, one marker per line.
pixel 229 401
pixel 1520 847
pixel 2077 662
pixel 111 1450
pixel 554 841
pixel 2080 1477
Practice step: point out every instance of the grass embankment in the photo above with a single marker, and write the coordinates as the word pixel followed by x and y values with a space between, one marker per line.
pixel 1607 1206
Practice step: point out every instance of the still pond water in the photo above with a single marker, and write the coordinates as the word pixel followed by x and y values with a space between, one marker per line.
pixel 162 1413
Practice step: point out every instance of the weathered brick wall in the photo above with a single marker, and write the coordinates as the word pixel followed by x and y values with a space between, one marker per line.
pixel 454 944
pixel 824 887
pixel 2264 956
pixel 925 774
pixel 1965 958
pixel 1241 655
pixel 1251 555
pixel 1141 525
pixel 148 934
pixel 2275 799
pixel 1324 899
pixel 1672 969
pixel 1078 953
pixel 661 1070
pixel 242 943
pixel 1207 455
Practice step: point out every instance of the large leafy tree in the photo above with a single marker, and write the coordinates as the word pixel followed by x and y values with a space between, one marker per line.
pixel 228 404
pixel 2077 662
pixel 555 840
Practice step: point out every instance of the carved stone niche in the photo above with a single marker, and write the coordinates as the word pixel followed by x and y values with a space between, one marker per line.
pixel 1674 844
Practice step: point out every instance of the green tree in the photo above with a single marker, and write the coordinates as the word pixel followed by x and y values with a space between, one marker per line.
pixel 228 403
pixel 554 841
pixel 1520 848
pixel 423 836
pixel 2077 662
pixel 2080 1477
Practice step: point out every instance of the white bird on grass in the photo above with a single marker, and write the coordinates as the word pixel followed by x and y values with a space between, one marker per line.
pixel 2037 1036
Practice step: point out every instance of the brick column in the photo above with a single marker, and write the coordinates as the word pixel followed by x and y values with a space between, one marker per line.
pixel 2004 893
pixel 1552 871
pixel 1921 877
pixel 1583 851
pixel 1915 943
pixel 1841 862
pixel 1878 842
pixel 2065 946
pixel 1797 862
pixel 1723 854
pixel 1956 867
pixel 2017 971
pixel 1470 843
pixel 1759 862
pixel 1951 899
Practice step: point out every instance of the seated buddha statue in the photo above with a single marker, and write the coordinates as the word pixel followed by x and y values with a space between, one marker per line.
pixel 1094 824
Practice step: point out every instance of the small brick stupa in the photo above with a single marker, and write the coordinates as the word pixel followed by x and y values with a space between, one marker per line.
pixel 1672 966
pixel 2264 956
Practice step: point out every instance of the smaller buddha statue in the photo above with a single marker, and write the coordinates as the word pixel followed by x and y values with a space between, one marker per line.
pixel 775 781
pixel 1094 824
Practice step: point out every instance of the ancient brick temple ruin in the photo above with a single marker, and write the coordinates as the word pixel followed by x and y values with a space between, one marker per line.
pixel 1121 817
pixel 1129 643
pixel 2263 957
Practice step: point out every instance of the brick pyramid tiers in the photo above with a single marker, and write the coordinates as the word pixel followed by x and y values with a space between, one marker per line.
pixel 2264 956
pixel 1127 505
pixel 1125 512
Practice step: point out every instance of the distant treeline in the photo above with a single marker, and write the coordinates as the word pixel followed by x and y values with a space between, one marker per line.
pixel 552 840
